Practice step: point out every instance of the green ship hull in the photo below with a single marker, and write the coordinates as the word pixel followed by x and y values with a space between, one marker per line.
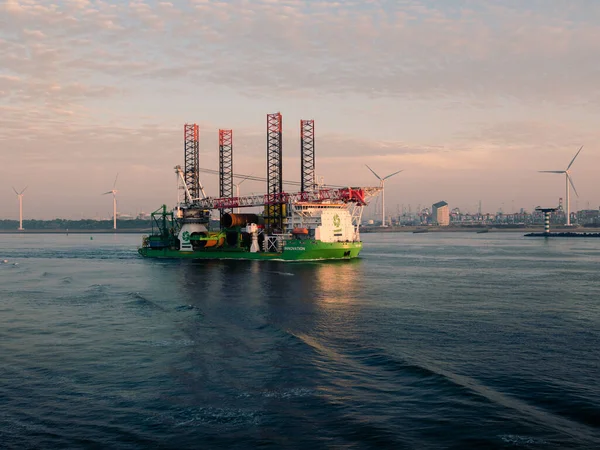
pixel 294 250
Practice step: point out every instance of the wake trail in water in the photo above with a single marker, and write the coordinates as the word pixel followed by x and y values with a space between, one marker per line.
pixel 377 359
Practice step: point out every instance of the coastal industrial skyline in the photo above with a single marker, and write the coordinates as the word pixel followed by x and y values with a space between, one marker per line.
pixel 373 212
pixel 469 100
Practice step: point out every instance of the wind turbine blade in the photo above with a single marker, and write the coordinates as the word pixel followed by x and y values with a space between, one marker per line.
pixel 115 183
pixel 551 171
pixel 572 185
pixel 244 179
pixel 392 174
pixel 15 190
pixel 573 160
pixel 109 192
pixel 374 173
pixel 24 190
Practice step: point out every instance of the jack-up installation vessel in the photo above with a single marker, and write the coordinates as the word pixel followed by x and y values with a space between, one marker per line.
pixel 316 223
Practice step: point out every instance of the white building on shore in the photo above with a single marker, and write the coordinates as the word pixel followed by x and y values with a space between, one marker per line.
pixel 440 214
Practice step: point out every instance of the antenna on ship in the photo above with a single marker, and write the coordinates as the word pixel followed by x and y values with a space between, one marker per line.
pixel 114 191
pixel 382 185
pixel 20 197
pixel 568 180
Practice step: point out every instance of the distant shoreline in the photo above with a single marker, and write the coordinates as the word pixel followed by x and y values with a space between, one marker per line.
pixel 128 231
pixel 365 230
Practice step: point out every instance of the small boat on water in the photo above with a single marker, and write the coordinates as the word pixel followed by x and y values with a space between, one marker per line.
pixel 421 230
pixel 485 230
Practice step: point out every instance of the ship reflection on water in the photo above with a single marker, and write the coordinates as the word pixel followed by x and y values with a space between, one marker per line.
pixel 327 282
pixel 338 282
pixel 267 321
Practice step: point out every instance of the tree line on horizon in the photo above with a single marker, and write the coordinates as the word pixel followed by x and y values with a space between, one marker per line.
pixel 83 224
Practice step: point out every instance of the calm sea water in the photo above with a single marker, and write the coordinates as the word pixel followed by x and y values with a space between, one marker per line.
pixel 433 340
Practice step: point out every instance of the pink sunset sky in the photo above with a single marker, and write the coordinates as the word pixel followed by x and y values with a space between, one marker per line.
pixel 470 99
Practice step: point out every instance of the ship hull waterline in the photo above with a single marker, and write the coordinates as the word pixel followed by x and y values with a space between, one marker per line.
pixel 294 251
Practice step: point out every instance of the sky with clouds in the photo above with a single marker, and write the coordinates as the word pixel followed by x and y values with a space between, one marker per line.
pixel 470 98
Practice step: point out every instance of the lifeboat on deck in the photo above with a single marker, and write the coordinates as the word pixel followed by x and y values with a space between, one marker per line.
pixel 300 231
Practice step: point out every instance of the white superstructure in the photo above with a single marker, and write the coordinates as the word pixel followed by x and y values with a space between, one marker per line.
pixel 326 222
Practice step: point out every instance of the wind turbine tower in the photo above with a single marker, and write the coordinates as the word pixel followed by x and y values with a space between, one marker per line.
pixel 382 184
pixel 113 191
pixel 20 197
pixel 568 180
pixel 237 188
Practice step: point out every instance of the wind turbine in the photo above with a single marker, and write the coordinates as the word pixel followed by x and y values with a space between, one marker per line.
pixel 237 188
pixel 382 184
pixel 113 191
pixel 568 181
pixel 20 197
